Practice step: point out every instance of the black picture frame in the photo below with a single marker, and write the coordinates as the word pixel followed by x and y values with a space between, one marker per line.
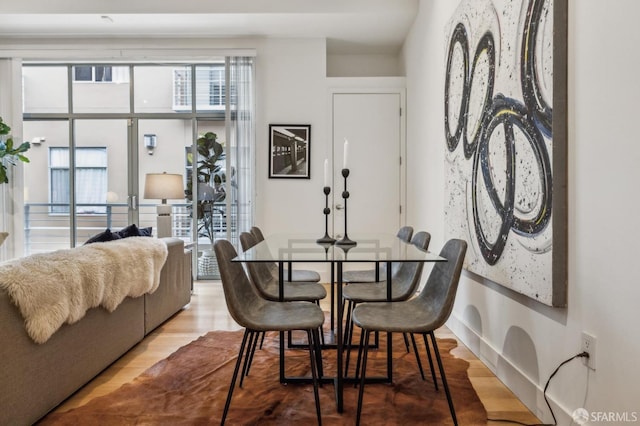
pixel 289 151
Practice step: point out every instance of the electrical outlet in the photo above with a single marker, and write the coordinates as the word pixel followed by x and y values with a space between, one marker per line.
pixel 589 346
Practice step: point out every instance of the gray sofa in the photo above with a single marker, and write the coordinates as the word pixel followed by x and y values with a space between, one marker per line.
pixel 35 378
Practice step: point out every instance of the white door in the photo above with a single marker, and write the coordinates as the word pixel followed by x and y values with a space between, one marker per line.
pixel 371 122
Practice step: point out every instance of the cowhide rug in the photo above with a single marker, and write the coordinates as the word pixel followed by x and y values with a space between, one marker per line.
pixel 190 387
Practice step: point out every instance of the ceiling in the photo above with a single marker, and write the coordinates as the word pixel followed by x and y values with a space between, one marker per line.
pixel 350 26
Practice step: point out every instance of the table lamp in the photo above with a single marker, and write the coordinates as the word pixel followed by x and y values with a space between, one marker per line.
pixel 163 186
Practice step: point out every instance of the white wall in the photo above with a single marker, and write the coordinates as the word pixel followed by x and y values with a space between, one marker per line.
pixel 364 65
pixel 290 76
pixel 520 339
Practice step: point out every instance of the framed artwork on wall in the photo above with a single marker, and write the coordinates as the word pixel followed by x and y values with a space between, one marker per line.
pixel 505 121
pixel 290 151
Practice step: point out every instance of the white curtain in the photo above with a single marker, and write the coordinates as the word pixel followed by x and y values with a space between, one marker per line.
pixel 241 134
pixel 91 179
pixel 12 193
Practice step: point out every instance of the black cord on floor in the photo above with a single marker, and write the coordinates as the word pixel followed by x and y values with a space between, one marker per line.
pixel 546 386
pixel 515 421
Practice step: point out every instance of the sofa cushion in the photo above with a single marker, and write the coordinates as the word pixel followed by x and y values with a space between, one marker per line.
pixel 146 232
pixel 104 236
pixel 129 231
pixel 133 231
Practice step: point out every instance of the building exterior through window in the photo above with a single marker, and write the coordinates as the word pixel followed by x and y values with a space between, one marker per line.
pixel 88 168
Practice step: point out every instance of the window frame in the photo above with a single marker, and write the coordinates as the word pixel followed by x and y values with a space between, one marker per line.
pixel 65 210
pixel 114 75
pixel 211 87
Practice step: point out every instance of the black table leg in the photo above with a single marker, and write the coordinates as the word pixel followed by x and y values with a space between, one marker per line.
pixel 333 297
pixel 281 298
pixel 339 376
pixel 389 349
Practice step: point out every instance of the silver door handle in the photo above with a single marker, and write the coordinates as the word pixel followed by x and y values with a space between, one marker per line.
pixel 339 207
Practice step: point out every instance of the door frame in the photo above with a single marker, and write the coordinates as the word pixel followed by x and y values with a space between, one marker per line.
pixel 372 85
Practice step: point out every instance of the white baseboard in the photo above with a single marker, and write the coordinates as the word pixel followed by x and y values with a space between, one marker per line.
pixel 491 357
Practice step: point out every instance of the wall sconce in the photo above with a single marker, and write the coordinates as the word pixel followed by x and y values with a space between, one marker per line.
pixel 38 140
pixel 150 142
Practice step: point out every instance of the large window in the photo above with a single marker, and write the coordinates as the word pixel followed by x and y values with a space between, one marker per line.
pixel 74 190
pixel 100 74
pixel 210 88
pixel 91 180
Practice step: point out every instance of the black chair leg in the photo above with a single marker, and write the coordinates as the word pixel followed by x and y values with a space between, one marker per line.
pixel 313 343
pixel 247 355
pixel 347 324
pixel 359 360
pixel 433 371
pixel 262 339
pixel 362 377
pixel 321 329
pixel 444 378
pixel 406 341
pixel 415 350
pixel 235 376
pixel 253 350
pixel 318 352
pixel 347 345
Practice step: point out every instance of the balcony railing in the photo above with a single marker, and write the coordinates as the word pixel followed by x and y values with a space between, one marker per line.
pixel 45 231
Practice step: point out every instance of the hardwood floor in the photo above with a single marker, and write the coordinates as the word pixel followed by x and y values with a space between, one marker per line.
pixel 207 311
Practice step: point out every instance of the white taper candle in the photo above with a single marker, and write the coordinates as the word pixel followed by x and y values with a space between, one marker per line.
pixel 345 161
pixel 326 172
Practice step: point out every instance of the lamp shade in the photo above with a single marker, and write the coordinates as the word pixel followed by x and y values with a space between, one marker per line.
pixel 163 186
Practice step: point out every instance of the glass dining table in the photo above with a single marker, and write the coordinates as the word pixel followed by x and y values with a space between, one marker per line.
pixel 287 249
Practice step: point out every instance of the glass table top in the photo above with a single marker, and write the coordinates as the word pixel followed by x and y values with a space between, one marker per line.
pixel 304 248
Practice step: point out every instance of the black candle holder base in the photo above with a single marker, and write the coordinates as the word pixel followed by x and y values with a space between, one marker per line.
pixel 326 240
pixel 345 241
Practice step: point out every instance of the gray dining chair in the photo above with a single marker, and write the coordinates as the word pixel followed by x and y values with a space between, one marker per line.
pixel 297 275
pixel 268 285
pixel 420 315
pixel 369 275
pixel 404 284
pixel 258 315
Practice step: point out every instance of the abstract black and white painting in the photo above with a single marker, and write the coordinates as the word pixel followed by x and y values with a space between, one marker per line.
pixel 505 131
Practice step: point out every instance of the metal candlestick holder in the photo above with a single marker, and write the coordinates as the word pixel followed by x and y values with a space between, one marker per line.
pixel 326 239
pixel 345 241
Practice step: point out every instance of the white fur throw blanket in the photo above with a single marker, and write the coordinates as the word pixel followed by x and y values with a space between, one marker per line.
pixel 50 289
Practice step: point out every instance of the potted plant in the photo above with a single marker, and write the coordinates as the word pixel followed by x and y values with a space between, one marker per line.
pixel 8 153
pixel 211 178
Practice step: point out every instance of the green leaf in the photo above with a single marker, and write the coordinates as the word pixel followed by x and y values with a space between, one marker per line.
pixel 3 174
pixel 24 147
pixel 4 129
pixel 9 153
